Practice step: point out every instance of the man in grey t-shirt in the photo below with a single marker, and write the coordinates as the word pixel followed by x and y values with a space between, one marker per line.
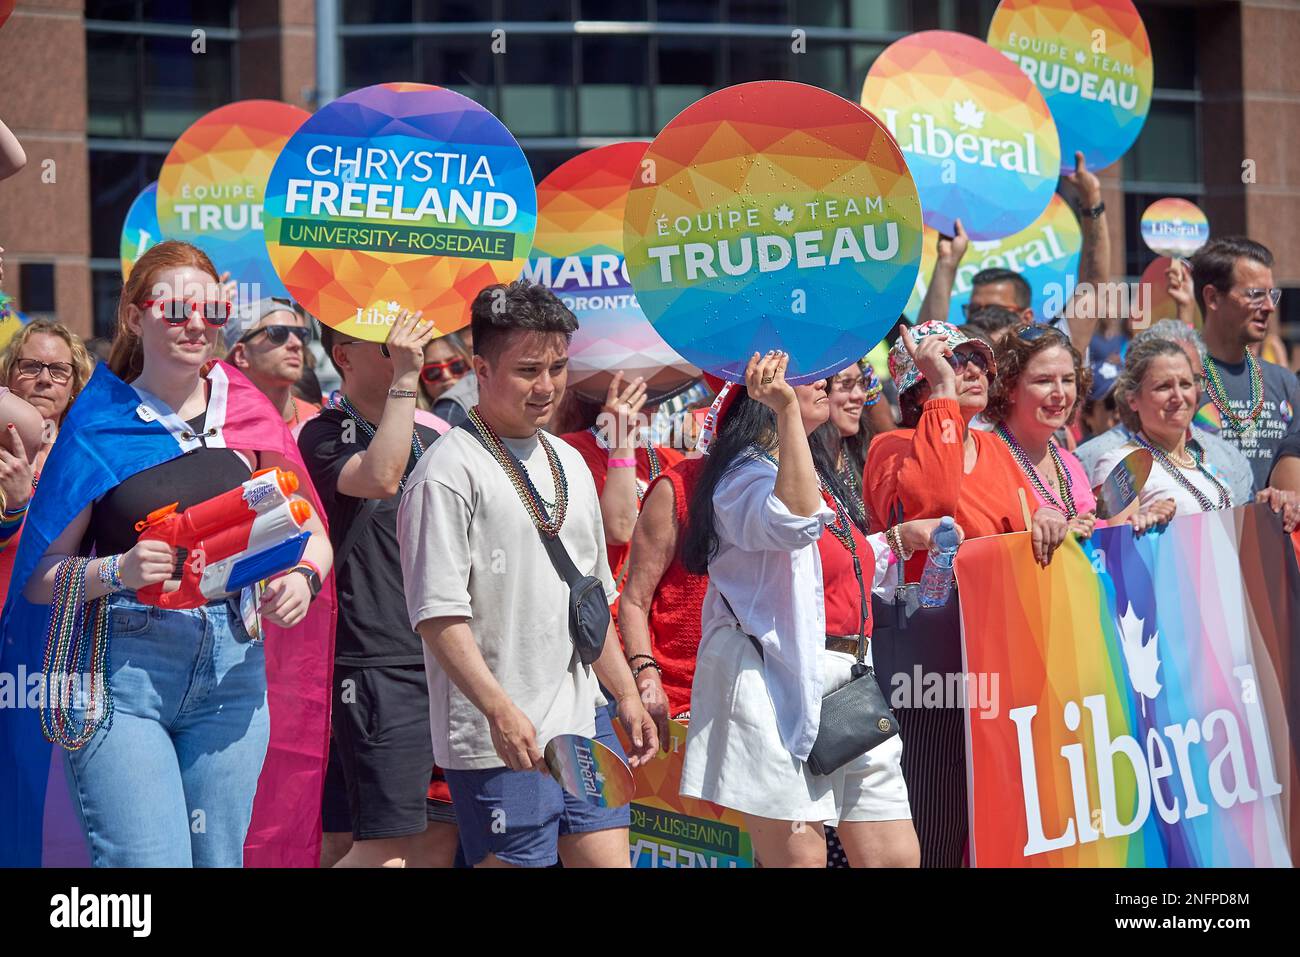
pixel 493 612
pixel 1252 402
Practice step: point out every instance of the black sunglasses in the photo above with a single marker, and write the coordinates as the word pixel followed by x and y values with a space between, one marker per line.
pixel 976 358
pixel 383 346
pixel 1038 330
pixel 279 335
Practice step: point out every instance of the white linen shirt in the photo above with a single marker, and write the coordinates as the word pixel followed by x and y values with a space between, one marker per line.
pixel 770 570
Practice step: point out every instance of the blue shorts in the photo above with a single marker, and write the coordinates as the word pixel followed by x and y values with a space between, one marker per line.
pixel 520 815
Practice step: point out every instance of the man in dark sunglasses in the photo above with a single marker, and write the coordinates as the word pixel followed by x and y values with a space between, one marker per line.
pixel 268 343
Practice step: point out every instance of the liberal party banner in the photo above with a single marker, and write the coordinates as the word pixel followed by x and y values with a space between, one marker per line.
pixel 1046 254
pixel 1174 227
pixel 669 830
pixel 976 133
pixel 213 184
pixel 140 229
pixel 398 196
pixel 773 215
pixel 1148 696
pixel 1091 60
pixel 578 253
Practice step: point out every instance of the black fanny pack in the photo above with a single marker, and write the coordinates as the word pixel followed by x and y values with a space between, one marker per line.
pixel 588 608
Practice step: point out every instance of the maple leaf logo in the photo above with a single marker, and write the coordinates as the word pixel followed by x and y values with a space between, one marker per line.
pixel 1081 58
pixel 393 305
pixel 968 115
pixel 783 214
pixel 1143 660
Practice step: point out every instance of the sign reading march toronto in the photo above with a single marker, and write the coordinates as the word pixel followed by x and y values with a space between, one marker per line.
pixel 976 133
pixel 578 253
pixel 1091 60
pixel 213 182
pixel 773 215
pixel 398 196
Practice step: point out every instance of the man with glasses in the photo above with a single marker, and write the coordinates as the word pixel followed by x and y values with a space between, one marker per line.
pixel 270 347
pixel 1252 402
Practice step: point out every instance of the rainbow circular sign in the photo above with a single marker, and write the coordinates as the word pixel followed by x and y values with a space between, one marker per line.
pixel 578 253
pixel 773 215
pixel 1155 302
pixel 398 196
pixel 6 8
pixel 1046 254
pixel 977 135
pixel 1174 227
pixel 140 229
pixel 1091 60
pixel 213 184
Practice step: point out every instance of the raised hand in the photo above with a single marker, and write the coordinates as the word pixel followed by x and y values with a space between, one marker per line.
pixel 931 358
pixel 407 338
pixel 765 381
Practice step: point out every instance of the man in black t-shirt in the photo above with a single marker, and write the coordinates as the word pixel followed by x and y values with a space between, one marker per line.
pixel 359 453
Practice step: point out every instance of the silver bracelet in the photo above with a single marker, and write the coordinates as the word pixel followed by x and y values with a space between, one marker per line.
pixel 401 393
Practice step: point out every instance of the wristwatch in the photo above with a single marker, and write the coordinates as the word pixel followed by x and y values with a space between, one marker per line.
pixel 313 580
pixel 1095 212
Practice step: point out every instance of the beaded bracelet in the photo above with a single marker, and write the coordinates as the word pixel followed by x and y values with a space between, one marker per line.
pixel 632 658
pixel 18 512
pixel 649 664
pixel 895 539
pixel 110 572
pixel 622 463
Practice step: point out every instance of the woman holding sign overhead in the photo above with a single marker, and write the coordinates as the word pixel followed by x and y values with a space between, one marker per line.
pixel 785 617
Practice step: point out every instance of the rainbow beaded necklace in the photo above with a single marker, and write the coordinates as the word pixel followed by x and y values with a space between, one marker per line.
pixel 1035 479
pixel 1218 393
pixel 70 648
pixel 523 484
pixel 1172 467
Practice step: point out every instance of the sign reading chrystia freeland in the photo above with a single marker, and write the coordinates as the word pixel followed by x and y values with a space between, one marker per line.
pixel 1147 696
pixel 398 196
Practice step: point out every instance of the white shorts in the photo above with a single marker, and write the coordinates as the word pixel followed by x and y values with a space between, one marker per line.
pixel 735 756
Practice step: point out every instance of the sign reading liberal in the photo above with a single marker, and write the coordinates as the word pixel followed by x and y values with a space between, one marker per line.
pixel 578 253
pixel 773 215
pixel 1046 254
pixel 213 184
pixel 140 229
pixel 1091 60
pixel 1151 702
pixel 398 196
pixel 1174 227
pixel 977 135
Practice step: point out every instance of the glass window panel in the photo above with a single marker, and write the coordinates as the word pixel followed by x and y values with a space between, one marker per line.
pixel 451 11
pixel 612 9
pixel 1172 31
pixel 106 287
pixel 754 58
pixel 179 87
pixel 758 11
pixel 460 65
pixel 537 11
pixel 688 11
pixel 885 15
pixel 376 11
pixel 861 56
pixel 116 179
pixel 545 162
pixel 36 280
pixel 614 96
pixel 112 62
pixel 371 60
pixel 209 13
pixel 112 9
pixel 818 13
pixel 1167 149
pixel 688 69
pixel 825 65
pixel 537 96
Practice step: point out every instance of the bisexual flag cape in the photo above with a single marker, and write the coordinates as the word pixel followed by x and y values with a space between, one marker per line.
pixel 111 433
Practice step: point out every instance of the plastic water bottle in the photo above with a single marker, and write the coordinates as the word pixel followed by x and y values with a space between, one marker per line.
pixel 936 580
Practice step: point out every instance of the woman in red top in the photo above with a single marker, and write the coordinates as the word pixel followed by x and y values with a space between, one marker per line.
pixel 621 468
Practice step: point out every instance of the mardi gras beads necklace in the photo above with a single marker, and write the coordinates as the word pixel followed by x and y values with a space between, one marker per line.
pixel 1169 465
pixel 70 654
pixel 1219 394
pixel 523 484
pixel 417 447
pixel 1030 470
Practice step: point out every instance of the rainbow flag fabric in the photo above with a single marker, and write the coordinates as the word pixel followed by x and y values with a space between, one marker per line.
pixel 1146 694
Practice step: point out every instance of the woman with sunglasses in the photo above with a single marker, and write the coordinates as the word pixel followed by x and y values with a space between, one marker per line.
pixel 856 415
pixel 270 347
pixel 445 364
pixel 174 733
pixel 770 525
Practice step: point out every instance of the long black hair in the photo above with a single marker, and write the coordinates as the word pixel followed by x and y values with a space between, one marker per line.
pixel 748 428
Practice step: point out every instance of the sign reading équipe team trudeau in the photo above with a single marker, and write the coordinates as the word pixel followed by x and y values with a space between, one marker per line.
pixel 398 196
pixel 977 135
pixel 773 215
pixel 1091 59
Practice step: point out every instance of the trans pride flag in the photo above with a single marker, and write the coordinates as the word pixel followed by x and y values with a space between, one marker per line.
pixel 1149 687
pixel 103 441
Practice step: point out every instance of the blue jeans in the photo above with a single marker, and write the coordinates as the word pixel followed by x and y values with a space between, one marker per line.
pixel 170 782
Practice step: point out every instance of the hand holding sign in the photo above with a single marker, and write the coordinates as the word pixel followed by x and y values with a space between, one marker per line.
pixel 589 770
pixel 1124 484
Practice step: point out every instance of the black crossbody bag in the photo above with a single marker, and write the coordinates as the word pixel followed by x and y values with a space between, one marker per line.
pixel 855 718
pixel 588 608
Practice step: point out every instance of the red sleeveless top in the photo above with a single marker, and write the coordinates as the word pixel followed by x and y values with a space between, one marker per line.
pixel 840 584
pixel 674 613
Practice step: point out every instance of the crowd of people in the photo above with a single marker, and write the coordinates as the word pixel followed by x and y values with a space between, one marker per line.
pixel 509 561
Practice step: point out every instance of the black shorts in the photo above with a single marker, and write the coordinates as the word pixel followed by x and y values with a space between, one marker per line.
pixel 381 735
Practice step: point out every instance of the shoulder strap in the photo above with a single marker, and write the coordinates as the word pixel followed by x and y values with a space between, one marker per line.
pixel 354 532
pixel 554 547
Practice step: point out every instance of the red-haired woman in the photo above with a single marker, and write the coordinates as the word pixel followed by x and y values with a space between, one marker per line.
pixel 176 728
